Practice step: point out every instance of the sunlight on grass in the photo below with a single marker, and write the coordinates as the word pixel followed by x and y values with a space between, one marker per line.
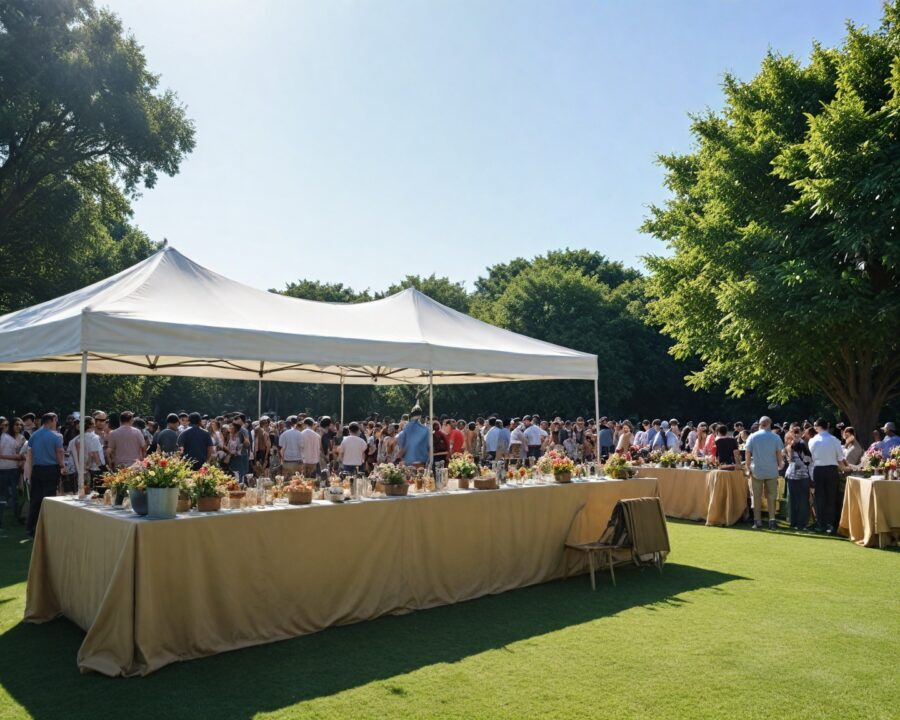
pixel 745 623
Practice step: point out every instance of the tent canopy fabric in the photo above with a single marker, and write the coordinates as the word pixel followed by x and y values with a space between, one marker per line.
pixel 168 315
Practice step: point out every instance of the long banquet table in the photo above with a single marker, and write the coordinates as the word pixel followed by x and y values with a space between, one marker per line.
pixel 151 592
pixel 871 512
pixel 717 496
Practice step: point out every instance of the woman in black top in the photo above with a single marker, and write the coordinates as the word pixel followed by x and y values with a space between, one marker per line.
pixel 726 449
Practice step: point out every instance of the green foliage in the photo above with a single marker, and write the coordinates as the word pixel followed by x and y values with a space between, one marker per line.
pixel 323 292
pixel 784 268
pixel 445 291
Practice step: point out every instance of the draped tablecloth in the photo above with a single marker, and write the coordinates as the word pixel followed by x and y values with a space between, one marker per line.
pixel 871 512
pixel 717 496
pixel 151 592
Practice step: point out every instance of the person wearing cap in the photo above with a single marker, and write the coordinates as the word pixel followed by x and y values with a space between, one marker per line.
pixel 827 457
pixel 412 442
pixel 196 443
pixel 665 439
pixel 167 438
pixel 891 439
pixel 764 457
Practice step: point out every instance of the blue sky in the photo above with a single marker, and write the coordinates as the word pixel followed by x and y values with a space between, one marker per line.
pixel 362 141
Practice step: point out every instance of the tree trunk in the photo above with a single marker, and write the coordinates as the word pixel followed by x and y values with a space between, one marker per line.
pixel 864 418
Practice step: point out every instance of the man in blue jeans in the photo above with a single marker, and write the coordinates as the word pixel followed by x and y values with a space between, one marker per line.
pixel 45 460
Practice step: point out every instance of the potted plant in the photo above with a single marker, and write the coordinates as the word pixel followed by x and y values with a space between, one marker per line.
pixel 137 493
pixel 165 476
pixel 392 479
pixel 462 468
pixel 209 487
pixel 486 480
pixel 557 464
pixel 617 467
pixel 117 484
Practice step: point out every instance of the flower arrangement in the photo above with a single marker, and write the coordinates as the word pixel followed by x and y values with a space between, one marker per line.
pixel 390 474
pixel 669 459
pixel 462 466
pixel 209 481
pixel 120 480
pixel 161 470
pixel 555 463
pixel 618 467
pixel 873 460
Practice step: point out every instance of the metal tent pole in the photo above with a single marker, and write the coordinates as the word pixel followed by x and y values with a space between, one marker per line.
pixel 84 359
pixel 430 418
pixel 596 404
pixel 259 401
pixel 342 402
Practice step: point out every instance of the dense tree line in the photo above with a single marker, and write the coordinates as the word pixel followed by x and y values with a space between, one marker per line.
pixel 785 212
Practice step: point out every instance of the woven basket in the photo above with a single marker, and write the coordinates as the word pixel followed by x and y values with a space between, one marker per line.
pixel 563 477
pixel 300 497
pixel 486 483
pixel 396 490
pixel 209 504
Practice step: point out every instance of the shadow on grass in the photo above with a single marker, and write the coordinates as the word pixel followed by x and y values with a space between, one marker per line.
pixel 43 678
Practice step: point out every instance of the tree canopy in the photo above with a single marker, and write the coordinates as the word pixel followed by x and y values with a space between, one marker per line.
pixel 783 273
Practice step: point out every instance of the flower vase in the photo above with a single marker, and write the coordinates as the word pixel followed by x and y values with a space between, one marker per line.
pixel 138 500
pixel 209 504
pixel 162 503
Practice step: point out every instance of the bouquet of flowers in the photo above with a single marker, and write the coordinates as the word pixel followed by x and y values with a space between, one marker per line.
pixel 618 467
pixel 669 459
pixel 161 470
pixel 119 481
pixel 390 474
pixel 655 456
pixel 555 463
pixel 210 481
pixel 462 466
pixel 873 460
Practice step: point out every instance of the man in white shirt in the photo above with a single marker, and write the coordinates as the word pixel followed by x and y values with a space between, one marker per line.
pixel 310 448
pixel 827 456
pixel 534 436
pixel 517 442
pixel 290 446
pixel 353 450
pixel 492 439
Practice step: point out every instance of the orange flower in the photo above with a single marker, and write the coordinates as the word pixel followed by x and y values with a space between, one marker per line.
pixel 163 463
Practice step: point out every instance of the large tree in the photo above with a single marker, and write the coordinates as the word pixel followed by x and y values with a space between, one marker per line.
pixel 783 273
pixel 83 126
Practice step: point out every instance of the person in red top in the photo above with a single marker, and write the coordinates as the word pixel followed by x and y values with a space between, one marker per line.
pixel 456 440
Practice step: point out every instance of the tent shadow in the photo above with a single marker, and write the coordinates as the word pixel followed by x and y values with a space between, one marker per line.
pixel 268 677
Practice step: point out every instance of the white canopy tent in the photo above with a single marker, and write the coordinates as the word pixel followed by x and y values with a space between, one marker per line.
pixel 168 315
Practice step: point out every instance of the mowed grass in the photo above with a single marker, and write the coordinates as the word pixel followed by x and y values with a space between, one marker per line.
pixel 741 624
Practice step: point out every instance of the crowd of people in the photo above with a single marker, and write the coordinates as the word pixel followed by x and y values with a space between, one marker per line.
pixel 44 454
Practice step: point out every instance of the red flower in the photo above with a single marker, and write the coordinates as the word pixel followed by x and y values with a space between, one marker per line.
pixel 203 470
pixel 164 463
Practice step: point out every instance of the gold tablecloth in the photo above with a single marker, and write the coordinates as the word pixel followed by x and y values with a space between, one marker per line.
pixel 871 512
pixel 148 593
pixel 717 496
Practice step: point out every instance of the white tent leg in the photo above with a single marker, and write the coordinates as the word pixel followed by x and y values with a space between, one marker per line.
pixel 81 409
pixel 596 403
pixel 341 417
pixel 259 401
pixel 430 418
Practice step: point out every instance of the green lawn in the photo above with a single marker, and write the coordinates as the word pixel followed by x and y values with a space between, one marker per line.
pixel 741 624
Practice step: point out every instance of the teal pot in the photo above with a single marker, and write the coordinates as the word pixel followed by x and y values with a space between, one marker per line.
pixel 162 503
pixel 138 499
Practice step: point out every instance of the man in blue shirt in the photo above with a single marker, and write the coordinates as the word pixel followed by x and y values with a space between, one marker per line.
pixel 196 444
pixel 413 441
pixel 605 438
pixel 764 453
pixel 46 460
pixel 891 439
